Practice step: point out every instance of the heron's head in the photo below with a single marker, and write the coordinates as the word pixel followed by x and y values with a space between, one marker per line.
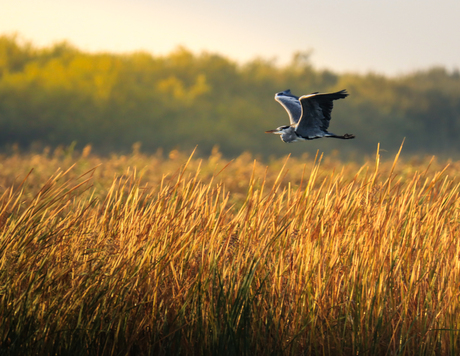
pixel 279 130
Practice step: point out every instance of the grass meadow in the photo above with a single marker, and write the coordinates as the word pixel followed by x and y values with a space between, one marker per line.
pixel 168 254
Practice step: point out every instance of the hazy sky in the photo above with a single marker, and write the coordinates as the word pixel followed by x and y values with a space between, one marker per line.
pixel 385 36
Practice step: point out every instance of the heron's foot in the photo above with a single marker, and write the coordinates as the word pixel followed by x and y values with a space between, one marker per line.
pixel 348 136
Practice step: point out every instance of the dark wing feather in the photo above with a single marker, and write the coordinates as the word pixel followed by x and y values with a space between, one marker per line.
pixel 316 112
pixel 291 104
pixel 326 104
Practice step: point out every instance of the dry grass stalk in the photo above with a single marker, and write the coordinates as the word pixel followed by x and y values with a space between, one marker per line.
pixel 337 262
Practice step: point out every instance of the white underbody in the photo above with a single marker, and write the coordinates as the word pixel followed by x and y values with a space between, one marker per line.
pixel 289 135
pixel 298 138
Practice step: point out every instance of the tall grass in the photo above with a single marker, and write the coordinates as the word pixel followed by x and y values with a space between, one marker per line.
pixel 345 260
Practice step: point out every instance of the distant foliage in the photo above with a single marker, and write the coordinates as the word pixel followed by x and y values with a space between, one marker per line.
pixel 59 95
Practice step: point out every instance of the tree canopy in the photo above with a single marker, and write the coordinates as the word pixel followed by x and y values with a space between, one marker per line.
pixel 60 94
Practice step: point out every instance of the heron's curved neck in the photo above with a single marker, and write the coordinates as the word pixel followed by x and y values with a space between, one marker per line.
pixel 289 135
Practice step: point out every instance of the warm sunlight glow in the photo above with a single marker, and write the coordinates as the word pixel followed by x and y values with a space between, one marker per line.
pixel 383 36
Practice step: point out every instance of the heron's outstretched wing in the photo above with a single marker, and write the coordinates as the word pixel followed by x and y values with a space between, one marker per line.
pixel 291 103
pixel 316 112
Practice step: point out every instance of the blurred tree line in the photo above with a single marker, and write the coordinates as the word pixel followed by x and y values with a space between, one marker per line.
pixel 59 95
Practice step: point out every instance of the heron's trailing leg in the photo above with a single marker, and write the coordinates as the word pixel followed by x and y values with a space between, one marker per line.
pixel 344 137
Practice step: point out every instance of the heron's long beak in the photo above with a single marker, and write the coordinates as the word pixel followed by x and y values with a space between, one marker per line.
pixel 272 131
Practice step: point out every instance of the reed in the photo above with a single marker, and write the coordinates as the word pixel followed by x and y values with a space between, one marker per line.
pixel 230 258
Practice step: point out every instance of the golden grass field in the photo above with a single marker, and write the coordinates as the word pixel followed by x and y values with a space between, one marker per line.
pixel 175 255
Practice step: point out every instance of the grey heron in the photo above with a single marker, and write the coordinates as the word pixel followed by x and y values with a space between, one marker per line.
pixel 309 115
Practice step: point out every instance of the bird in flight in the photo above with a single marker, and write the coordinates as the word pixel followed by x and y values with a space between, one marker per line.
pixel 309 115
